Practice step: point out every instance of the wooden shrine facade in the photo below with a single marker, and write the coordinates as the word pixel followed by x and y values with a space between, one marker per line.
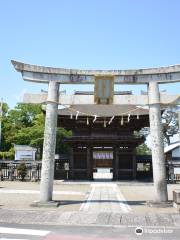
pixel 103 142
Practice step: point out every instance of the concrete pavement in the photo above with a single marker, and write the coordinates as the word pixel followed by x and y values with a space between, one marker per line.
pixel 97 204
pixel 50 232
pixel 81 218
pixel 92 196
pixel 105 197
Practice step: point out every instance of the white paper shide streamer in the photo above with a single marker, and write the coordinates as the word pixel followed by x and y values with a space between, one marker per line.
pixel 110 121
pixel 95 117
pixel 77 114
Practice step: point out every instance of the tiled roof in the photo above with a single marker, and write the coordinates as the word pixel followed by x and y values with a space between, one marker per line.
pixel 171 147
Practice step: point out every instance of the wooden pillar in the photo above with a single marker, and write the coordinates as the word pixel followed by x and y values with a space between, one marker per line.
pixel 116 163
pixel 134 164
pixel 71 163
pixel 89 162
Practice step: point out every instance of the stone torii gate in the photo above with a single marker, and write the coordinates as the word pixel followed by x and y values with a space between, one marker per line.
pixel 152 77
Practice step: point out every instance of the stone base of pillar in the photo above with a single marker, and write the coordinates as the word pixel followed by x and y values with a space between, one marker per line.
pixel 159 204
pixel 51 204
pixel 177 206
pixel 176 199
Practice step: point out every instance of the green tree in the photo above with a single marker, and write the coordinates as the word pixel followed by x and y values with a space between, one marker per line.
pixel 22 116
pixel 5 126
pixel 143 150
pixel 170 124
pixel 32 135
pixel 24 125
pixel 60 146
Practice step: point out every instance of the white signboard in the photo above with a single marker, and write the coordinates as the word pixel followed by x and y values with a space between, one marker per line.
pixel 66 166
pixel 140 166
pixel 102 155
pixel 25 155
pixel 176 170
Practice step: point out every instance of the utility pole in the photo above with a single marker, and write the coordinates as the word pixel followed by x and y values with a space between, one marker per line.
pixel 1 114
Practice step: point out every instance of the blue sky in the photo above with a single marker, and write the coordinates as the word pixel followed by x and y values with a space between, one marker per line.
pixel 93 34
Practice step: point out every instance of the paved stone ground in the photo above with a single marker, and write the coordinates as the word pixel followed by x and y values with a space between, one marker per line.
pixel 137 196
pixel 105 197
pixel 88 218
pixel 19 195
pixel 98 203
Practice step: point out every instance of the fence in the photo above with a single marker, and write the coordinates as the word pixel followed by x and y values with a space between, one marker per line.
pixel 8 170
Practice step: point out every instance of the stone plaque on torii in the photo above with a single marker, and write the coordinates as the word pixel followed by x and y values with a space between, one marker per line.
pixel 152 77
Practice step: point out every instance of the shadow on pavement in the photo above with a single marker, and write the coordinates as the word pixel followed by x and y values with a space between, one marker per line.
pixel 71 202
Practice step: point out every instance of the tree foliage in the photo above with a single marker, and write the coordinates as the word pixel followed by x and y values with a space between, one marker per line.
pixel 24 125
pixel 60 146
pixel 170 124
pixel 13 121
pixel 143 150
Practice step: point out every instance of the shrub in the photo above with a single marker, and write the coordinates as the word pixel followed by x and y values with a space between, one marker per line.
pixel 7 155
pixel 22 171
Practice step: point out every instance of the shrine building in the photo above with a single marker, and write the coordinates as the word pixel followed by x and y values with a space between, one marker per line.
pixel 105 142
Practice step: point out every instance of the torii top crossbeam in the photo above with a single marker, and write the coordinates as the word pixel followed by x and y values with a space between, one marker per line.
pixel 41 74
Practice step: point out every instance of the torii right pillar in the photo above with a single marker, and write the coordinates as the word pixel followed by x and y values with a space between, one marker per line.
pixel 158 158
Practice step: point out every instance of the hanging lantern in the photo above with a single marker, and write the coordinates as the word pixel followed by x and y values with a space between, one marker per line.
pixel 71 116
pixel 137 116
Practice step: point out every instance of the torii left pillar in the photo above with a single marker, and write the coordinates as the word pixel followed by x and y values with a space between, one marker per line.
pixel 47 172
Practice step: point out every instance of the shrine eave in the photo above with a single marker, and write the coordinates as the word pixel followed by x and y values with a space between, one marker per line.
pixel 131 140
